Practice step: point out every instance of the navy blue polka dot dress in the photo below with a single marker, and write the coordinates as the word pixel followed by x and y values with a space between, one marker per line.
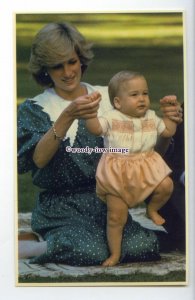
pixel 68 214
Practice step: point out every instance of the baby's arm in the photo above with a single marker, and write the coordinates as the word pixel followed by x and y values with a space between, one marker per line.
pixel 93 125
pixel 170 126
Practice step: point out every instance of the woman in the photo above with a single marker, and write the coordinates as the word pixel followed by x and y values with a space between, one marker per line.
pixel 68 215
pixel 175 208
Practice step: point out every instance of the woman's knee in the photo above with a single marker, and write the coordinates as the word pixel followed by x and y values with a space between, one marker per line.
pixel 139 250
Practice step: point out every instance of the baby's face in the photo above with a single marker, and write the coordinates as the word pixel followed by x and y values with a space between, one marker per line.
pixel 133 98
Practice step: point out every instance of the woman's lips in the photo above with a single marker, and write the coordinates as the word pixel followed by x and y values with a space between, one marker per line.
pixel 70 80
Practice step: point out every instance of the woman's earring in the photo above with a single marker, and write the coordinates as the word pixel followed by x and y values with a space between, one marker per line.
pixel 46 74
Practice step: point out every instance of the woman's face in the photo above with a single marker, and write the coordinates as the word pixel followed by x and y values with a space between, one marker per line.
pixel 66 77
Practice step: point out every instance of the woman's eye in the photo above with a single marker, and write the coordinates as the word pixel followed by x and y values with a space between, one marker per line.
pixel 72 62
pixel 56 67
pixel 61 66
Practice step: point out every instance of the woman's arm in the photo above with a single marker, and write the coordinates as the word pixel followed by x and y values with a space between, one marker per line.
pixel 83 107
pixel 172 112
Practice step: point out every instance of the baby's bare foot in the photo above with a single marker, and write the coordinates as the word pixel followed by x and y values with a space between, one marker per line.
pixel 156 218
pixel 110 262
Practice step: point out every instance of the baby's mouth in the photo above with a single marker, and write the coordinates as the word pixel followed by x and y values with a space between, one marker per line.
pixel 141 106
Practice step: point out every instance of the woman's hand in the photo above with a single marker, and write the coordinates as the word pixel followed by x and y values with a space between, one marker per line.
pixel 84 107
pixel 171 108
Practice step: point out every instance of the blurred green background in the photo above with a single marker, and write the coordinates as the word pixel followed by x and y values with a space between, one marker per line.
pixel 151 43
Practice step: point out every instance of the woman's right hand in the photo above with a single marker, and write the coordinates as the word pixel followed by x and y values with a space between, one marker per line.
pixel 171 108
pixel 84 107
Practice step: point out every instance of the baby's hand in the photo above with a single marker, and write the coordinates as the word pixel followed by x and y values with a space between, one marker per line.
pixel 95 96
pixel 85 106
pixel 168 100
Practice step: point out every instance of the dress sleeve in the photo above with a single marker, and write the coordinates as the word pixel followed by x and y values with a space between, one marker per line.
pixel 104 124
pixel 32 124
pixel 160 124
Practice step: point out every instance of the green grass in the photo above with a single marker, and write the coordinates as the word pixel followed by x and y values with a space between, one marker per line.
pixel 149 43
pixel 110 28
pixel 172 277
pixel 27 193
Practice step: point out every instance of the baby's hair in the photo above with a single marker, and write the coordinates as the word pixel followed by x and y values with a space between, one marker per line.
pixel 116 81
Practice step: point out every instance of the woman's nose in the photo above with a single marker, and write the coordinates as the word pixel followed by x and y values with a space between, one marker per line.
pixel 66 70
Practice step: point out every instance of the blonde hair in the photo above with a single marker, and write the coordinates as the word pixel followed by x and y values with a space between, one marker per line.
pixel 116 81
pixel 52 45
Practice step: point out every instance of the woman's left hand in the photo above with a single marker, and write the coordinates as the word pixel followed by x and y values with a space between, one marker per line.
pixel 171 108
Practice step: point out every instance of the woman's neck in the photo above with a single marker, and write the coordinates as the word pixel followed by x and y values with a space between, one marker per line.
pixel 72 95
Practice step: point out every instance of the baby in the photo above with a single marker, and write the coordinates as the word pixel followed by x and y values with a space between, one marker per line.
pixel 124 179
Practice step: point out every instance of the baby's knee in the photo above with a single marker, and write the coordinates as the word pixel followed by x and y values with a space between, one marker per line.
pixel 166 186
pixel 116 219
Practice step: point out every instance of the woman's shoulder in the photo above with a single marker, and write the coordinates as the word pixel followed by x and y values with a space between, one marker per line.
pixel 33 110
pixel 28 106
pixel 47 102
pixel 31 101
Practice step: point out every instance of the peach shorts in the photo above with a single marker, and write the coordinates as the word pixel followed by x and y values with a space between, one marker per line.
pixel 132 177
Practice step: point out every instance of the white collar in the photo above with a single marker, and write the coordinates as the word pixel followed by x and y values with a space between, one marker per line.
pixel 53 105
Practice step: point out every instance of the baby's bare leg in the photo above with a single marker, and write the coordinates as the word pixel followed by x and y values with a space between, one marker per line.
pixel 159 198
pixel 117 213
